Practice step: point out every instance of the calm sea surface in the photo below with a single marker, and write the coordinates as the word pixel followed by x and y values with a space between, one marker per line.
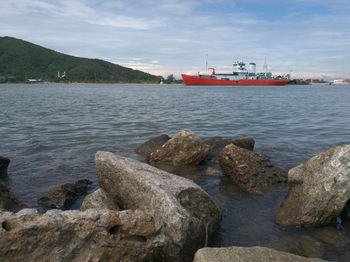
pixel 51 133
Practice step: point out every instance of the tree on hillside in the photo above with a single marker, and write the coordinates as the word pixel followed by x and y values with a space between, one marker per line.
pixel 170 79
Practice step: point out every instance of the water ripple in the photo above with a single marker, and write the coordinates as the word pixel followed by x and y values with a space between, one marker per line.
pixel 51 133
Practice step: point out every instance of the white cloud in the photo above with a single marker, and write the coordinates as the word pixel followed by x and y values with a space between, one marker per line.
pixel 172 36
pixel 120 21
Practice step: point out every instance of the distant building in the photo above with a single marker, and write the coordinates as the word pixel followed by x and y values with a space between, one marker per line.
pixel 61 76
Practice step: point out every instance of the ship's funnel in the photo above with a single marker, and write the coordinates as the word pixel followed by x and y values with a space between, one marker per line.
pixel 252 68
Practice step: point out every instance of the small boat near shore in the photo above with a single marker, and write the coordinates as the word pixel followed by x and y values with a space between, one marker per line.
pixel 239 76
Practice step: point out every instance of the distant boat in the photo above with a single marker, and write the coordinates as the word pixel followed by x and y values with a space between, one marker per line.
pixel 340 82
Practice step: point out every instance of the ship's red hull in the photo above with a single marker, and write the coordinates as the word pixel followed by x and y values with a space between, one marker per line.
pixel 208 80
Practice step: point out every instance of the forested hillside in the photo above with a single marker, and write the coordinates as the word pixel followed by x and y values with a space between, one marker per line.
pixel 21 60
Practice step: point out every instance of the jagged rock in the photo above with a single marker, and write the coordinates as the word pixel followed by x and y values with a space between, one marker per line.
pixel 63 196
pixel 250 171
pixel 185 148
pixel 4 163
pixel 180 208
pixel 151 145
pixel 7 200
pixel 93 235
pixel 319 189
pixel 248 254
pixel 98 200
pixel 218 143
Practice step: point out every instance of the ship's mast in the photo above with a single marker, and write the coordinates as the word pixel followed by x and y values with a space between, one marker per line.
pixel 206 62
pixel 265 66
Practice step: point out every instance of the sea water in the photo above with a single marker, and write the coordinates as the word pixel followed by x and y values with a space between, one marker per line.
pixel 52 131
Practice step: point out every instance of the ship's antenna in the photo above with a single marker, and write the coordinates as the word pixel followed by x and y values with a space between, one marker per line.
pixel 206 62
pixel 265 66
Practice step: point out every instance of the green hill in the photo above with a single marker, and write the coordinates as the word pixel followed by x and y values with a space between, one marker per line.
pixel 21 60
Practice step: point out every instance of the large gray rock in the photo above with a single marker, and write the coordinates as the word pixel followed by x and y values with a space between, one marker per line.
pixel 248 254
pixel 151 145
pixel 319 189
pixel 250 171
pixel 4 163
pixel 63 196
pixel 98 200
pixel 185 148
pixel 181 209
pixel 93 235
pixel 7 200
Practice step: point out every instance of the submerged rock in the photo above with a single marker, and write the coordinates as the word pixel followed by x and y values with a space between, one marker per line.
pixel 63 196
pixel 319 189
pixel 185 148
pixel 213 171
pixel 248 254
pixel 93 235
pixel 250 171
pixel 182 211
pixel 311 247
pixel 151 145
pixel 332 237
pixel 301 245
pixel 98 200
pixel 7 200
pixel 4 163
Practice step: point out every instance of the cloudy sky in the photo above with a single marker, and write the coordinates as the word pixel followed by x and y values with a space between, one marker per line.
pixel 307 38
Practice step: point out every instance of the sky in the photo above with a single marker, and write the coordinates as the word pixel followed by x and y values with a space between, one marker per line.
pixel 305 38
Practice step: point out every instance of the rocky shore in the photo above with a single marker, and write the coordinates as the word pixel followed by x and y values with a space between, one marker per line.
pixel 142 211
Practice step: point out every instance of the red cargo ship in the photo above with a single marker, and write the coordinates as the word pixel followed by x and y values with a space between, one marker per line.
pixel 240 76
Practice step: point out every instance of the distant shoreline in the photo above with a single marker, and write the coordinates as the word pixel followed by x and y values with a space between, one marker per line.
pixel 73 83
